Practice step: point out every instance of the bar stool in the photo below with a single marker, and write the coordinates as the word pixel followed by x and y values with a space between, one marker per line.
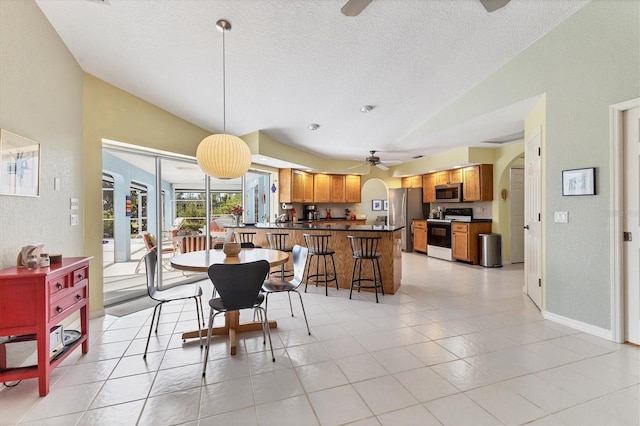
pixel 365 248
pixel 318 246
pixel 246 237
pixel 278 241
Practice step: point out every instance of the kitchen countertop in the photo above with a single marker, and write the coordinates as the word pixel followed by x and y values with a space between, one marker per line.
pixel 317 225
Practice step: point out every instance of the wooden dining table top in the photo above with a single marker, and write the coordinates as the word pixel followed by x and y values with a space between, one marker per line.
pixel 199 261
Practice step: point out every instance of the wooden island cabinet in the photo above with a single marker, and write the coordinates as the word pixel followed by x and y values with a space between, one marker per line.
pixel 390 246
pixel 33 301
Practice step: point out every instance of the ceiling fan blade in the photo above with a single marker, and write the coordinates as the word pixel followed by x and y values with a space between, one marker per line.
pixel 493 5
pixel 354 7
pixel 382 166
pixel 355 167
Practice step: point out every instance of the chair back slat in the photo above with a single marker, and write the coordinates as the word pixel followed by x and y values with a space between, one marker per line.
pixel 238 284
pixel 365 247
pixel 317 243
pixel 277 241
pixel 245 237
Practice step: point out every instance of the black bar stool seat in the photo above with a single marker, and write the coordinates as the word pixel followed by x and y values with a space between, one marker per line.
pixel 365 248
pixel 318 246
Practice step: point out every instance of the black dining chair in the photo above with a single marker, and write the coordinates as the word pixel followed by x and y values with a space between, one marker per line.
pixel 179 292
pixel 238 286
pixel 278 286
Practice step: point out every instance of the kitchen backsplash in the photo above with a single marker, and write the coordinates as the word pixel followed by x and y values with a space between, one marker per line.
pixel 481 209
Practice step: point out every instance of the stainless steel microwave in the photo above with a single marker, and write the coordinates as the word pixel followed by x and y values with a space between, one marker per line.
pixel 451 193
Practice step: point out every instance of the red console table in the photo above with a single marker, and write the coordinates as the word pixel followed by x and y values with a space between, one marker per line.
pixel 33 301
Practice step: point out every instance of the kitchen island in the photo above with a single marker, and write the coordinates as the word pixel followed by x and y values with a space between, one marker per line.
pixel 390 246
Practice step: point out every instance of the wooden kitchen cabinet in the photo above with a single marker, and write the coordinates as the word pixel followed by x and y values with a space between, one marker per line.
pixel 321 188
pixel 445 177
pixel 478 183
pixel 464 240
pixel 429 188
pixel 296 186
pixel 420 236
pixel 412 181
pixel 338 188
pixel 352 189
pixel 33 301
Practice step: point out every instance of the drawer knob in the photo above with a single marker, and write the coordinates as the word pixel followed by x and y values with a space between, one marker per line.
pixel 59 286
pixel 78 297
pixel 58 309
pixel 80 276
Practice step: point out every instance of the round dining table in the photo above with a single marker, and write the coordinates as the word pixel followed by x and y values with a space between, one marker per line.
pixel 199 261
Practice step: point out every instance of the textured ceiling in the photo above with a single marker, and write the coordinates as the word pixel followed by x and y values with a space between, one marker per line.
pixel 292 62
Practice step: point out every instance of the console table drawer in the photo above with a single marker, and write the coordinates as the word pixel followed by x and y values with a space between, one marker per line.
pixel 67 302
pixel 57 286
pixel 80 274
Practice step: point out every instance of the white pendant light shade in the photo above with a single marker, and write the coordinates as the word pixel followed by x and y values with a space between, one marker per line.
pixel 223 156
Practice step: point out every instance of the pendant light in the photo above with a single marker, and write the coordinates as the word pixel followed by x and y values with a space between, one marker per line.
pixel 223 156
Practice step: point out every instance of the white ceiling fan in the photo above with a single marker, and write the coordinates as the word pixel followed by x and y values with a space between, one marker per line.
pixel 355 7
pixel 374 160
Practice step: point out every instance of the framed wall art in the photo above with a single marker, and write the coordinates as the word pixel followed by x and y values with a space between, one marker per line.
pixel 385 205
pixel 376 205
pixel 579 181
pixel 19 165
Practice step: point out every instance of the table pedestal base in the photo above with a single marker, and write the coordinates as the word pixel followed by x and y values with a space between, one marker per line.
pixel 232 319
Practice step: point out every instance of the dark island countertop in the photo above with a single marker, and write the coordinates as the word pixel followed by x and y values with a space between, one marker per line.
pixel 318 225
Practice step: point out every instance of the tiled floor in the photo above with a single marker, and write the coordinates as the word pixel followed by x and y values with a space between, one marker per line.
pixel 457 345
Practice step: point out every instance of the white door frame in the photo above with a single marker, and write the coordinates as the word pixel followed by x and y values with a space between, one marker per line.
pixel 615 224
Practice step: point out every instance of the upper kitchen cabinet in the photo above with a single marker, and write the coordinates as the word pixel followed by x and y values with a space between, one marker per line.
pixel 321 188
pixel 429 188
pixel 477 184
pixel 412 182
pixel 339 189
pixel 329 188
pixel 295 186
pixel 352 188
pixel 445 177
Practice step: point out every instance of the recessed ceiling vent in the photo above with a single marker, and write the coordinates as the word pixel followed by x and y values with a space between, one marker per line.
pixel 506 139
pixel 415 157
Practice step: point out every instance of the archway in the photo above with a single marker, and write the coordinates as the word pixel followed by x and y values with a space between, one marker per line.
pixel 373 189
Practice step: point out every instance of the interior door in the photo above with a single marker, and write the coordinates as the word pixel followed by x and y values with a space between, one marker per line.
pixel 631 223
pixel 516 215
pixel 532 219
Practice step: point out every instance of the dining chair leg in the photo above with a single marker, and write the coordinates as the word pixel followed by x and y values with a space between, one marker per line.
pixel 265 325
pixel 153 317
pixel 159 312
pixel 304 313
pixel 212 316
pixel 195 299
pixel 290 305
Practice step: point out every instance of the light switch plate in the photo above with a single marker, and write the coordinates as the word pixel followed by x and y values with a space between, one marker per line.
pixel 561 217
pixel 75 220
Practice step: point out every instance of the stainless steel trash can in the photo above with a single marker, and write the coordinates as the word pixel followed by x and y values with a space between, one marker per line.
pixel 490 250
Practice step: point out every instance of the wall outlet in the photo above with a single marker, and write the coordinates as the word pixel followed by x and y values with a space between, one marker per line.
pixel 561 217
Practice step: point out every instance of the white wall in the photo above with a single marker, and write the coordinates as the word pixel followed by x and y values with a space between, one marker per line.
pixel 584 65
pixel 41 99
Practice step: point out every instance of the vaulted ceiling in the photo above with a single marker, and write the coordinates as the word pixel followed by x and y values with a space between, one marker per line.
pixel 290 63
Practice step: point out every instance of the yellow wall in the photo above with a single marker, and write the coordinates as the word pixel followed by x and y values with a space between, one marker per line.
pixel 111 113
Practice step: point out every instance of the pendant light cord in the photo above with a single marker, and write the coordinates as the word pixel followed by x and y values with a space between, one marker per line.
pixel 224 87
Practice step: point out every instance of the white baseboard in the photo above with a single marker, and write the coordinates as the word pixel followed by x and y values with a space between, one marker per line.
pixel 579 325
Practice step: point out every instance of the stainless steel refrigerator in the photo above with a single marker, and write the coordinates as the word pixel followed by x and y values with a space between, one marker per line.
pixel 405 205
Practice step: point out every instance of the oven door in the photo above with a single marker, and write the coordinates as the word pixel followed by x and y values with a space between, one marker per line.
pixel 439 234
